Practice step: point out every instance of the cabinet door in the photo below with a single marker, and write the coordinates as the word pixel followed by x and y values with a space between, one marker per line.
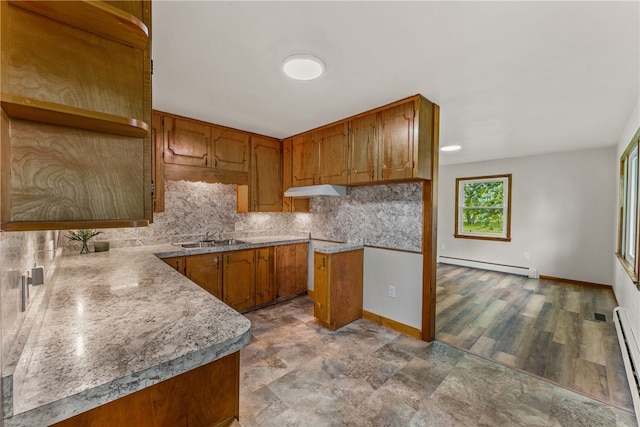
pixel 285 271
pixel 266 175
pixel 301 267
pixel 265 285
pixel 290 204
pixel 363 150
pixel 304 160
pixel 157 165
pixel 187 142
pixel 333 146
pixel 239 279
pixel 206 271
pixel 177 262
pixel 230 149
pixel 396 142
pixel 321 283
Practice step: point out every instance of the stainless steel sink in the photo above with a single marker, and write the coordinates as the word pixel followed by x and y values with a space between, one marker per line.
pixel 210 243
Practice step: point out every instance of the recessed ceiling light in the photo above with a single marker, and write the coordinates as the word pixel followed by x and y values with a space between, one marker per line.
pixel 303 67
pixel 450 148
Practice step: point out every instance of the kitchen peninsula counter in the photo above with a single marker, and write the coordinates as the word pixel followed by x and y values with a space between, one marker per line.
pixel 116 322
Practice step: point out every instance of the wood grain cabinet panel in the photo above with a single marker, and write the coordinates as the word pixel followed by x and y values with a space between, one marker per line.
pixel 76 94
pixel 157 170
pixel 396 142
pixel 363 148
pixel 291 270
pixel 338 288
pixel 265 178
pixel 304 161
pixel 290 204
pixel 230 149
pixel 203 397
pixel 332 145
pixel 187 142
pixel 265 284
pixel 239 279
pixel 205 270
pixel 178 263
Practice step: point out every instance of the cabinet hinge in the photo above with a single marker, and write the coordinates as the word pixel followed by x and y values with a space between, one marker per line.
pixel 153 187
pixel 152 66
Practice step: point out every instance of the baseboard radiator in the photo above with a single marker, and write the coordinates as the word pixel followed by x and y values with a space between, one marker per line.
pixel 504 268
pixel 630 355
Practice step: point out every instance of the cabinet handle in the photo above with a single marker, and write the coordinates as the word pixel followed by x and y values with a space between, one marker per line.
pixel 373 171
pixel 258 254
pixel 215 162
pixel 217 261
pixel 320 180
pixel 314 180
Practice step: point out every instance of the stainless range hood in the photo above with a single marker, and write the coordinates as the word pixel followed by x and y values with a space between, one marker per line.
pixel 316 190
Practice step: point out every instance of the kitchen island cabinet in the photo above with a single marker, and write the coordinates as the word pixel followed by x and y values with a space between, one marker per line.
pixel 338 288
pixel 123 325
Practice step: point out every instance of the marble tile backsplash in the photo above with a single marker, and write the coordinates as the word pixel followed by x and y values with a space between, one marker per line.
pixel 194 208
pixel 387 216
pixel 19 252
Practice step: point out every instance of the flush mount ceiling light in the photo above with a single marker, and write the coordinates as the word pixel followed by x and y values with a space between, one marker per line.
pixel 450 148
pixel 303 67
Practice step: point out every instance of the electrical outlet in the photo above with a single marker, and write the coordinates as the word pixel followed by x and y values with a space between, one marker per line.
pixel 525 255
pixel 392 291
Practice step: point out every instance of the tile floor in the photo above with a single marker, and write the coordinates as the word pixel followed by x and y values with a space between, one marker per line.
pixel 296 373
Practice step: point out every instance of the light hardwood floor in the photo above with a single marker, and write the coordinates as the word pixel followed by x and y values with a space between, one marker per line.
pixel 542 327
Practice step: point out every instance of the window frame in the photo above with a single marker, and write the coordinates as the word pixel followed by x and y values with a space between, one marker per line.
pixel 506 235
pixel 628 248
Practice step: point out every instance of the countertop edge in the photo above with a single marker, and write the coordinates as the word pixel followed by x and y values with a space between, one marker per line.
pixel 89 399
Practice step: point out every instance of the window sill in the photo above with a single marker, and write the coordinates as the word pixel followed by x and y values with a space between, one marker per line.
pixel 497 239
pixel 628 268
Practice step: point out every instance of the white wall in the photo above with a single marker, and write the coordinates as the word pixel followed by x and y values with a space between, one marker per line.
pixel 405 275
pixel 563 211
pixel 627 294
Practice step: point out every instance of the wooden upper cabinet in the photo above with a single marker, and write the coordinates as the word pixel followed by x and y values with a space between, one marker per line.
pixel 230 149
pixel 290 204
pixel 396 142
pixel 157 166
pixel 265 183
pixel 332 145
pixel 304 153
pixel 363 148
pixel 76 115
pixel 187 142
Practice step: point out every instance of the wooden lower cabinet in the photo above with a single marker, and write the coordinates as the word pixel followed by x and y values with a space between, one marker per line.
pixel 291 270
pixel 265 283
pixel 239 279
pixel 338 288
pixel 248 278
pixel 206 271
pixel 203 397
pixel 177 262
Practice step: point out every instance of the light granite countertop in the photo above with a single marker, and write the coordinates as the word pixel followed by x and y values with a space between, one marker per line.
pixel 117 322
pixel 123 320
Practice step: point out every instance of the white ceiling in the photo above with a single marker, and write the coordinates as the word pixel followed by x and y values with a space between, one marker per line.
pixel 511 78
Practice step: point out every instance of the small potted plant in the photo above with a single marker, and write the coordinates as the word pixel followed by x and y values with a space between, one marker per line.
pixel 83 236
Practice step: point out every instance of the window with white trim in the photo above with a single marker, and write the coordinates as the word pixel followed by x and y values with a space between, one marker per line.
pixel 483 207
pixel 628 220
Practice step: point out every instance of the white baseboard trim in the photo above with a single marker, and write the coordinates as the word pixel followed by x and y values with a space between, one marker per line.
pixel 531 272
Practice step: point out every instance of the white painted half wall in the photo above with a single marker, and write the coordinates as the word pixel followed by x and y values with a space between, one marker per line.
pixel 384 268
pixel 563 214
pixel 627 294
